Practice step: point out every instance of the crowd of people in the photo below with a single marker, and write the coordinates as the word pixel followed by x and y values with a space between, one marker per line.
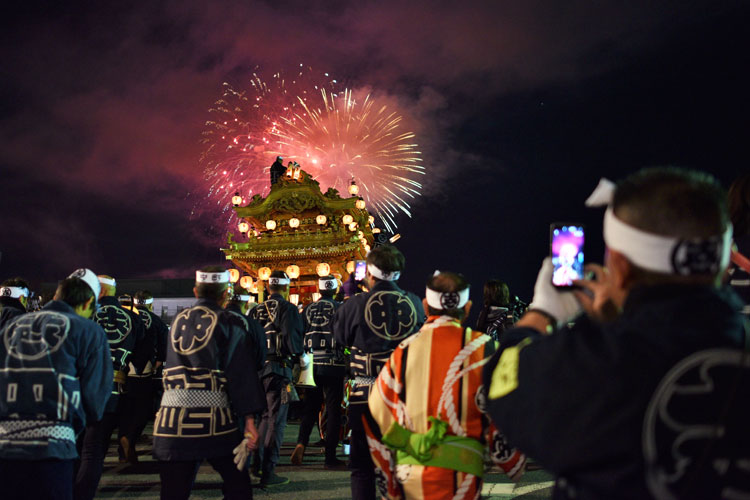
pixel 633 384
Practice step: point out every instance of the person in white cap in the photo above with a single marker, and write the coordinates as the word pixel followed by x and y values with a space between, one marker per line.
pixel 239 305
pixel 14 298
pixel 372 325
pixel 55 378
pixel 282 324
pixel 645 395
pixel 210 384
pixel 127 345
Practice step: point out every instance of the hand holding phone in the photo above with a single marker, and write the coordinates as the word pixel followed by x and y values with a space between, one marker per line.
pixel 566 250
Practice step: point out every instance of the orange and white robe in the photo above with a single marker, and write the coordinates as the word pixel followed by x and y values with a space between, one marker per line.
pixel 435 373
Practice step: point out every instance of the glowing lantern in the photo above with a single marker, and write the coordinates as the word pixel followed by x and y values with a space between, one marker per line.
pixel 293 271
pixel 321 219
pixel 234 275
pixel 353 188
pixel 347 219
pixel 350 266
pixel 236 199
pixel 375 230
pixel 360 204
pixel 323 269
pixel 246 282
pixel 367 248
pixel 353 226
pixel 270 225
pixel 243 227
pixel 294 222
pixel 264 273
pixel 371 220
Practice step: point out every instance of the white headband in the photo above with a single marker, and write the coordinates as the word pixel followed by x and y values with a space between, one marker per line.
pixel 278 281
pixel 242 298
pixel 203 277
pixel 88 277
pixel 446 300
pixel 14 292
pixel 654 252
pixel 144 301
pixel 327 284
pixel 107 281
pixel 381 275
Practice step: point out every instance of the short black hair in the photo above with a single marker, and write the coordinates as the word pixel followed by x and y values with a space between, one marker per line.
pixel 447 281
pixel 74 292
pixel 17 282
pixel 739 205
pixel 496 293
pixel 211 291
pixel 387 258
pixel 278 288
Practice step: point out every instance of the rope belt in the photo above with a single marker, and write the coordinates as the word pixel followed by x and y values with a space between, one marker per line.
pixel 436 449
pixel 363 380
pixel 190 398
pixel 22 430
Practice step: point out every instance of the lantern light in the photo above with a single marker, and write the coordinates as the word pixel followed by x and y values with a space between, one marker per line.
pixel 271 225
pixel 321 219
pixel 294 222
pixel 293 271
pixel 360 204
pixel 367 248
pixel 353 188
pixel 375 230
pixel 234 275
pixel 264 273
pixel 236 199
pixel 246 282
pixel 347 219
pixel 243 227
pixel 323 269
pixel 353 226
pixel 371 220
pixel 360 235
pixel 350 266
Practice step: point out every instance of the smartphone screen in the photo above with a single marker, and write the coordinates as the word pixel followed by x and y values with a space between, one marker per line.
pixel 360 270
pixel 566 249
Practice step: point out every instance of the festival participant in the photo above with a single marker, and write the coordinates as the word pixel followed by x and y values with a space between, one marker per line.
pixel 371 325
pixel 209 382
pixel 14 297
pixel 239 305
pixel 126 334
pixel 496 315
pixel 55 376
pixel 328 373
pixel 739 212
pixel 283 326
pixel 428 406
pixel 138 400
pixel 641 396
pixel 277 170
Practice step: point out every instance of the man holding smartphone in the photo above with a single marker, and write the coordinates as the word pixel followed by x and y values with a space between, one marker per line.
pixel 640 396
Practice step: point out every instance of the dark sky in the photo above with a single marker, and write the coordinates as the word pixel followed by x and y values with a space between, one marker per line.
pixel 520 108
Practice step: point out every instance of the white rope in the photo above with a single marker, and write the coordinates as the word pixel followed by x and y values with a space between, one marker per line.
pixel 464 488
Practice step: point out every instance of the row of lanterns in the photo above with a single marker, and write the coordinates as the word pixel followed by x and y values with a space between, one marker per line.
pixel 294 222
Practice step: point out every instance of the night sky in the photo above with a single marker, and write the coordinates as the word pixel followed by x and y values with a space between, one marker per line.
pixel 520 107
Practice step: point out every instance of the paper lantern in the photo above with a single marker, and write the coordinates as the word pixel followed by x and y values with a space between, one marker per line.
pixel 375 230
pixel 353 189
pixel 270 225
pixel 350 266
pixel 264 273
pixel 234 275
pixel 371 220
pixel 243 227
pixel 360 204
pixel 246 282
pixel 367 248
pixel 323 269
pixel 321 219
pixel 294 222
pixel 236 199
pixel 293 271
pixel 347 219
pixel 353 226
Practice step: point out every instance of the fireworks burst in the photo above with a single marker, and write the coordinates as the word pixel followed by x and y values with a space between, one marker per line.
pixel 334 137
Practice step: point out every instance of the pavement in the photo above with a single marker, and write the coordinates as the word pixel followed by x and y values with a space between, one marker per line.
pixel 307 481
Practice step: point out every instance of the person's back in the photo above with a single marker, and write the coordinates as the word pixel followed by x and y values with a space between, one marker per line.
pixel 588 401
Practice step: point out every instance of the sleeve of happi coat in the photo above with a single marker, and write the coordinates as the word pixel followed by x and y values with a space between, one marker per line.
pixel 385 407
pixel 95 371
pixel 243 384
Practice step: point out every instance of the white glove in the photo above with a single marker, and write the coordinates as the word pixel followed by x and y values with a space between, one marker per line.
pixel 240 455
pixel 561 305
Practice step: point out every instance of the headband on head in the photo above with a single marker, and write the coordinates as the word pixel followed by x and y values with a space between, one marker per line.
pixel 144 302
pixel 278 281
pixel 14 292
pixel 204 277
pixel 658 253
pixel 327 284
pixel 446 300
pixel 88 277
pixel 107 281
pixel 382 275
pixel 241 298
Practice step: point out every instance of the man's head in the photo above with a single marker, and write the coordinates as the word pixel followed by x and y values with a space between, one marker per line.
pixel 279 159
pixel 212 283
pixel 447 294
pixel 681 221
pixel 384 263
pixel 78 294
pixel 496 293
pixel 241 297
pixel 328 286
pixel 278 282
pixel 108 284
pixel 16 288
pixel 144 298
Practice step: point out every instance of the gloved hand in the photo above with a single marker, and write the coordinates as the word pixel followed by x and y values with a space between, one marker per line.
pixel 241 453
pixel 561 305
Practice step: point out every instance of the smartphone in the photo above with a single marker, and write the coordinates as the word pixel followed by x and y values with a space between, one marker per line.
pixel 360 270
pixel 566 250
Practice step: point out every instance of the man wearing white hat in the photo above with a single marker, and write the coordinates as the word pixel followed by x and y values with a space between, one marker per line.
pixel 55 378
pixel 645 395
pixel 14 297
